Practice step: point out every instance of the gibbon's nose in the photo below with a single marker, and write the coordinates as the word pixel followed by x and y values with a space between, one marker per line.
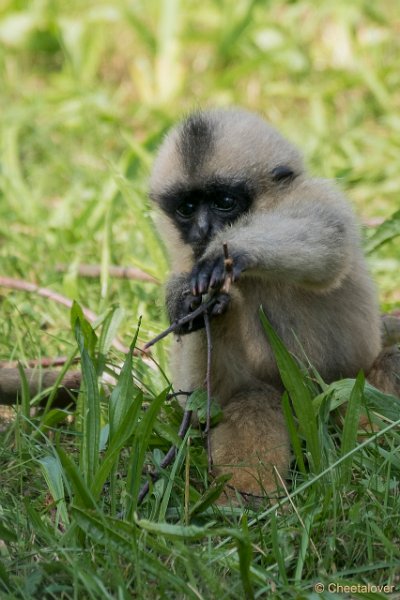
pixel 202 225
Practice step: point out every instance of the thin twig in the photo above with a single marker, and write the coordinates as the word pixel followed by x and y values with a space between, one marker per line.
pixel 200 310
pixel 26 286
pixel 114 271
pixel 208 386
pixel 228 265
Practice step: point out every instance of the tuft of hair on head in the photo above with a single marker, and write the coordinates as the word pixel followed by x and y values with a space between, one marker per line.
pixel 196 141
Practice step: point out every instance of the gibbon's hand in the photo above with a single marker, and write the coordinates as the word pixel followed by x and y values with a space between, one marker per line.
pixel 209 273
pixel 189 303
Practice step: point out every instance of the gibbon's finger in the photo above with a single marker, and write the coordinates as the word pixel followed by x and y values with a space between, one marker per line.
pixel 200 279
pixel 193 303
pixel 189 303
pixel 220 305
pixel 194 281
pixel 203 281
pixel 203 274
pixel 218 274
pixel 240 263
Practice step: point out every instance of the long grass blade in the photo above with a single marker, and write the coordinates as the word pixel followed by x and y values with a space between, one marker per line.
pixel 139 449
pixel 351 425
pixel 386 232
pixel 53 474
pixel 90 445
pixel 295 384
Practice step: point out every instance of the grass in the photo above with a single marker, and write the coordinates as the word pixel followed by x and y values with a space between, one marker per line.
pixel 88 90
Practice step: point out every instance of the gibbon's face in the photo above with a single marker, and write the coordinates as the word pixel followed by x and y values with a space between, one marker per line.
pixel 211 169
pixel 199 213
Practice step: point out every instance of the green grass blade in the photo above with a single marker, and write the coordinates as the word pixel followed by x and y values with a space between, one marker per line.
pixel 351 425
pixel 276 548
pixel 384 233
pixel 4 578
pixel 391 548
pixel 293 433
pixel 105 529
pixel 210 495
pixel 245 553
pixel 122 395
pixel 125 430
pixel 52 472
pixel 294 383
pixel 83 331
pixel 167 71
pixel 186 532
pixel 236 29
pixel 171 476
pixel 108 333
pixel 121 538
pixel 49 420
pixel 91 418
pixel 90 445
pixel 385 404
pixel 144 224
pixel 7 535
pixel 139 449
pixel 82 494
pixel 59 379
pixel 304 545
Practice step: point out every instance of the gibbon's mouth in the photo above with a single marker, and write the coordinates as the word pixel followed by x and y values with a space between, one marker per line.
pixel 199 249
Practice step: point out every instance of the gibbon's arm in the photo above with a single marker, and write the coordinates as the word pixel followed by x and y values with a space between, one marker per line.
pixel 310 244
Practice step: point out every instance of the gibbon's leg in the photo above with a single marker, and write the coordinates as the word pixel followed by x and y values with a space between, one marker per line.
pixel 249 441
pixel 385 372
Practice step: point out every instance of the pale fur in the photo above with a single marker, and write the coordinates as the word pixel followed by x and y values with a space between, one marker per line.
pixel 310 278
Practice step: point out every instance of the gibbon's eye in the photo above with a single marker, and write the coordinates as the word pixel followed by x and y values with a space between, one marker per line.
pixel 186 209
pixel 224 203
pixel 282 173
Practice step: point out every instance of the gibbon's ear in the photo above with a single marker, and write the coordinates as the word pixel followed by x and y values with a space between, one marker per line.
pixel 283 174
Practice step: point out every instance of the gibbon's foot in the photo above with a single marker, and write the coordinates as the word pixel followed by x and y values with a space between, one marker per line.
pixel 249 442
pixel 385 372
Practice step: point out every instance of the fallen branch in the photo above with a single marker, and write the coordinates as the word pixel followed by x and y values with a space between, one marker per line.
pixel 26 286
pixel 44 363
pixel 11 386
pixel 114 271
